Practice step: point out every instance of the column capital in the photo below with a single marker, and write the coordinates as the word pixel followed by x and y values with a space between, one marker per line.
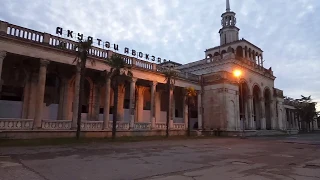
pixel 44 62
pixel 134 80
pixel 250 97
pixel 199 92
pixel 261 99
pixel 3 54
pixel 153 83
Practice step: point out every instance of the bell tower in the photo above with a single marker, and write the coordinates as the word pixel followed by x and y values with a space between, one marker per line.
pixel 229 31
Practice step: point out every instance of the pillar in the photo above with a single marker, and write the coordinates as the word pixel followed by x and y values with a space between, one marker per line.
pixel 33 81
pixel 273 115
pixel 153 86
pixel 139 106
pixel 244 52
pixel 185 111
pixel 76 97
pixel 199 110
pixel 26 95
pixel 106 107
pixel 62 101
pixel 132 105
pixel 263 114
pixel 65 110
pixel 171 108
pixel 96 104
pixel 40 93
pixel 121 94
pixel 250 115
pixel 3 54
pixel 157 107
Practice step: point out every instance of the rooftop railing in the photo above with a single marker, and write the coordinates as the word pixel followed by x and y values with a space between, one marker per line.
pixel 70 45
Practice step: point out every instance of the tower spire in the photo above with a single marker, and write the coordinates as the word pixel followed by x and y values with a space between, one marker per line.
pixel 228 6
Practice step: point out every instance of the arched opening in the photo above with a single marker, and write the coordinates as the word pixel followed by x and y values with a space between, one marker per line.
pixel 230 49
pixel 243 105
pixel 249 53
pixel 267 97
pixel 257 106
pixel 239 52
pixel 253 55
pixel 209 56
pixel 246 52
pixel 216 54
pixel 223 52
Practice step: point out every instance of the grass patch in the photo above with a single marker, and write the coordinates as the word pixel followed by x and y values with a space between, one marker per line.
pixel 70 141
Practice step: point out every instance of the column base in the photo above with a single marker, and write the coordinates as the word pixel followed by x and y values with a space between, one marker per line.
pixel 153 123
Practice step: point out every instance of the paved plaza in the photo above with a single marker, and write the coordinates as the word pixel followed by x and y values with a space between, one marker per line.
pixel 293 158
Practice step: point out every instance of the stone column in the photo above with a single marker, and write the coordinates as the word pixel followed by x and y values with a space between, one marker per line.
pixel 106 107
pixel 121 94
pixel 26 94
pixel 244 53
pixel 273 114
pixel 263 114
pixel 140 99
pixel 3 54
pixel 250 115
pixel 157 107
pixel 153 86
pixel 62 101
pixel 199 111
pixel 185 111
pixel 132 103
pixel 32 95
pixel 171 108
pixel 65 110
pixel 315 124
pixel 40 93
pixel 96 104
pixel 76 97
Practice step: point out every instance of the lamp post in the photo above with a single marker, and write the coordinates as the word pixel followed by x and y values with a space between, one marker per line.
pixel 238 73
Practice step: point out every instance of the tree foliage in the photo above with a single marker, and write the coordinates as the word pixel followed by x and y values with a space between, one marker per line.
pixel 170 76
pixel 82 49
pixel 190 94
pixel 305 108
pixel 119 73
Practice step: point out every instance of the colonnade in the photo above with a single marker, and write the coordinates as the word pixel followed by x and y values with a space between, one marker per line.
pixel 69 90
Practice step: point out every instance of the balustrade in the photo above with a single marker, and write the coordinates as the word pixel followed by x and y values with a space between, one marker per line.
pixel 179 126
pixel 161 125
pixel 24 33
pixel 144 64
pixel 91 125
pixel 56 124
pixel 142 126
pixel 16 124
pixel 120 125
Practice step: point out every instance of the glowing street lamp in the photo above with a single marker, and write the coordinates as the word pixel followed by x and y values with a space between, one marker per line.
pixel 238 73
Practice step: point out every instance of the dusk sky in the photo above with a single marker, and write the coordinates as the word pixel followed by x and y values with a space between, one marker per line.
pixel 288 31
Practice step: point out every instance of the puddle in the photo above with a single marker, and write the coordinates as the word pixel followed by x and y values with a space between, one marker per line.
pixel 239 163
pixel 312 166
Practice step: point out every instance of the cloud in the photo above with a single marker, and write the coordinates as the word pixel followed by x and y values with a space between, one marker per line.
pixel 180 30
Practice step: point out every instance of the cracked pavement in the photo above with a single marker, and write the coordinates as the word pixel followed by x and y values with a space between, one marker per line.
pixel 263 158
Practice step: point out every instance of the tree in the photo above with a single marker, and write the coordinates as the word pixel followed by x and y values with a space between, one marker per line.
pixel 119 73
pixel 190 94
pixel 82 51
pixel 170 75
pixel 306 110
